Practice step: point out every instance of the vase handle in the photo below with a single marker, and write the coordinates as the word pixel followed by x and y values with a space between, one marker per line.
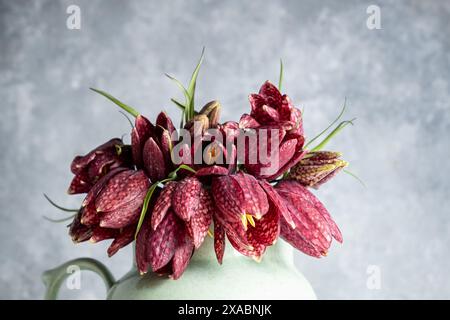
pixel 54 278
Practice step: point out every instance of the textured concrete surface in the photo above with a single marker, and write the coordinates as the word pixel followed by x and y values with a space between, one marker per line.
pixel 396 80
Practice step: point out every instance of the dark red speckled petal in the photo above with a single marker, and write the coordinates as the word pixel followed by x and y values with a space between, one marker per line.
pixel 154 161
pixel 125 237
pixel 162 204
pixel 142 247
pixel 95 190
pixel 121 189
pixel 163 241
pixel 125 215
pixel 255 200
pixel 186 197
pixel 143 129
pixel 293 237
pixel 219 241
pixel 200 221
pixel 182 256
pixel 164 121
pixel 266 229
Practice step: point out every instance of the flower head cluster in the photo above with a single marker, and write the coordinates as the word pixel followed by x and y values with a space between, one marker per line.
pixel 167 190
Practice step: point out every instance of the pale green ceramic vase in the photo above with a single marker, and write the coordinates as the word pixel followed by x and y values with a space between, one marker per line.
pixel 239 277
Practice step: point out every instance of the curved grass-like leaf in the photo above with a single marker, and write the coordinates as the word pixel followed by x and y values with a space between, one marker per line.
pixel 192 85
pixel 338 128
pixel 280 79
pixel 327 128
pixel 58 206
pixel 125 107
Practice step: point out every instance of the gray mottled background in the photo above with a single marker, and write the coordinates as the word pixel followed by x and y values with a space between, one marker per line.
pixel 396 80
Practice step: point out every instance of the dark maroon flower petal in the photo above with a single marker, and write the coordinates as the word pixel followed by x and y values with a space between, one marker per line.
pixel 336 233
pixel 248 122
pixel 277 201
pixel 211 170
pixel 80 183
pixel 182 256
pixel 163 241
pixel 100 234
pixel 95 190
pixel 142 247
pixel 271 94
pixel 254 251
pixel 165 144
pixel 125 215
pixel 164 121
pixel 154 161
pixel 121 189
pixel 200 221
pixel 310 223
pixel 89 215
pixel 296 240
pixel 162 204
pixel 255 201
pixel 219 240
pixel 186 197
pixel 142 131
pixel 125 237
pixel 77 231
pixel 266 230
pixel 256 103
pixel 228 197
pixel 81 162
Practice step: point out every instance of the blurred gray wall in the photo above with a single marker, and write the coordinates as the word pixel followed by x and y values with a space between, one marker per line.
pixel 396 80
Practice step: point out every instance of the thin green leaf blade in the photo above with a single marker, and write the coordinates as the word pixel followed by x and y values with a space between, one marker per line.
pixel 192 85
pixel 59 220
pixel 327 128
pixel 356 177
pixel 144 209
pixel 280 79
pixel 327 139
pixel 58 206
pixel 119 103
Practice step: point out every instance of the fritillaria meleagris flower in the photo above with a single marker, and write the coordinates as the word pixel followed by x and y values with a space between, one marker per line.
pixel 270 110
pixel 92 166
pixel 314 227
pixel 178 224
pixel 151 145
pixel 248 211
pixel 316 168
pixel 111 209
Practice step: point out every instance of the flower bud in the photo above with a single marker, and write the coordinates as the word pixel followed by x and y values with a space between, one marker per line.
pixel 316 168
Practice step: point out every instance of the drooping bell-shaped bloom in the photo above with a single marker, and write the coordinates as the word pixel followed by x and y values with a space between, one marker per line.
pixel 273 114
pixel 316 168
pixel 151 145
pixel 98 162
pixel 248 211
pixel 166 250
pixel 179 222
pixel 314 227
pixel 111 209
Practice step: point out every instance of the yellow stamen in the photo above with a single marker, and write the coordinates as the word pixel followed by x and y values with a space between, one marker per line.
pixel 210 234
pixel 244 221
pixel 250 220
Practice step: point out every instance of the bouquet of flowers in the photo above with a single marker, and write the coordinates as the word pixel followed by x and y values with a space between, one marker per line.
pixel 245 181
